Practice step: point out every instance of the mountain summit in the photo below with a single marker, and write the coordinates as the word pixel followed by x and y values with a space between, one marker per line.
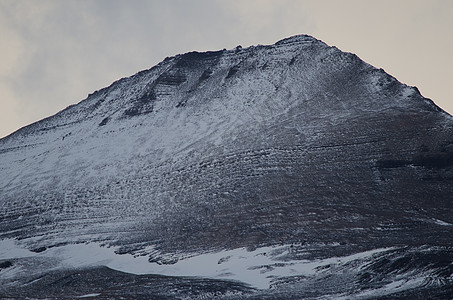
pixel 291 170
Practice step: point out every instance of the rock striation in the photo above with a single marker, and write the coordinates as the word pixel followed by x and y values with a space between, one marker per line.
pixel 316 172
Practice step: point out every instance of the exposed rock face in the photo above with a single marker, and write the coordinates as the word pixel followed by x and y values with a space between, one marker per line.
pixel 296 147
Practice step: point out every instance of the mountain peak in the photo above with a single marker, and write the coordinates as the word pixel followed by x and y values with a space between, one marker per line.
pixel 253 163
pixel 298 39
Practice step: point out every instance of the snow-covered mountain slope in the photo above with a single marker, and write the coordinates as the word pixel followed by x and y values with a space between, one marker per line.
pixel 207 156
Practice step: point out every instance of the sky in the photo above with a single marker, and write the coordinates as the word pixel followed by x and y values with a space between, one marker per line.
pixel 54 53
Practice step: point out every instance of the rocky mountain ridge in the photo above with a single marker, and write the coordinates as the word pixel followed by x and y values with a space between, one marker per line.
pixel 297 152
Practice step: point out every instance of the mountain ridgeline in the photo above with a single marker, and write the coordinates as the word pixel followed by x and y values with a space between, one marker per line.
pixel 296 147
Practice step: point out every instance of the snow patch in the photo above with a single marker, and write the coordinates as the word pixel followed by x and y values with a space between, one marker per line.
pixel 258 268
pixel 442 223
pixel 9 249
pixel 89 296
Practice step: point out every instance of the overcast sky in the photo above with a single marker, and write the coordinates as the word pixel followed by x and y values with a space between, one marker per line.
pixel 54 53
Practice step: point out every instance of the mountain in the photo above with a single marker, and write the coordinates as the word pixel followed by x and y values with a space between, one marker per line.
pixel 292 170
